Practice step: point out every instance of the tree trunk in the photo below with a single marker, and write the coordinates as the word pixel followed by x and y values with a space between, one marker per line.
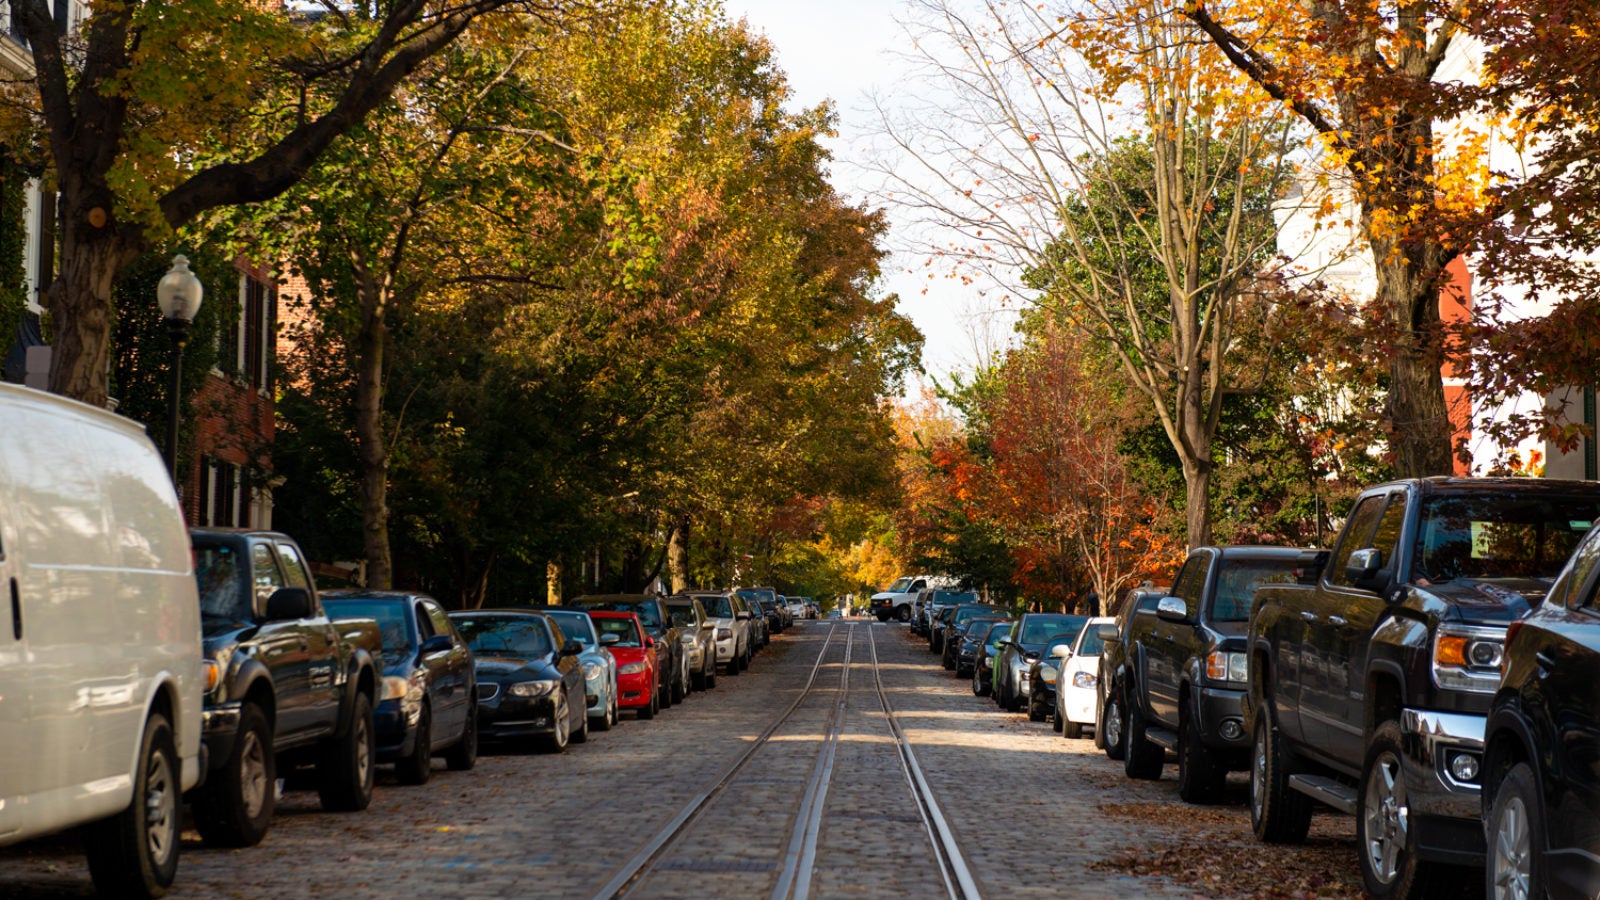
pixel 1197 499
pixel 1420 428
pixel 678 553
pixel 371 449
pixel 552 582
pixel 477 588
pixel 79 301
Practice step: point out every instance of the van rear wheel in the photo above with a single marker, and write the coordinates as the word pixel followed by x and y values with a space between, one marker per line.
pixel 234 808
pixel 135 852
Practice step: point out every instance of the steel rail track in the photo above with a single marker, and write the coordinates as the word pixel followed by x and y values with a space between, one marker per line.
pixel 640 865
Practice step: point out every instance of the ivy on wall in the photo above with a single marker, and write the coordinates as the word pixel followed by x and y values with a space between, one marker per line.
pixel 13 246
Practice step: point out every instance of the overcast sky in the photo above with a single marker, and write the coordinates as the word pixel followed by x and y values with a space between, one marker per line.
pixel 842 50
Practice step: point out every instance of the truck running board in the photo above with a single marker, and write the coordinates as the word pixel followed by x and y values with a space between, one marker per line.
pixel 1327 790
pixel 1161 737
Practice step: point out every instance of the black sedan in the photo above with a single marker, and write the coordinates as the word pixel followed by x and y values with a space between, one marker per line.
pixel 1541 766
pixel 530 683
pixel 428 704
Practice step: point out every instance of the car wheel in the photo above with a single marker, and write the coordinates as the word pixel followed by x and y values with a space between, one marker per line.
pixel 947 659
pixel 1200 778
pixel 1115 724
pixel 700 681
pixel 903 614
pixel 1515 868
pixel 978 687
pixel 649 710
pixel 1386 837
pixel 1057 721
pixel 344 771
pixel 680 688
pixel 1036 712
pixel 711 670
pixel 135 852
pixel 234 808
pixel 1278 814
pixel 1144 759
pixel 733 665
pixel 1071 730
pixel 417 766
pixel 608 715
pixel 581 736
pixel 560 726
pixel 463 754
pixel 1014 699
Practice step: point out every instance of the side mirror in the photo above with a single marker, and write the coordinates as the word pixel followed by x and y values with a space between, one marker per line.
pixel 742 616
pixel 707 625
pixel 1363 564
pixel 571 648
pixel 649 642
pixel 289 603
pixel 1061 651
pixel 1106 631
pixel 439 643
pixel 607 640
pixel 1172 609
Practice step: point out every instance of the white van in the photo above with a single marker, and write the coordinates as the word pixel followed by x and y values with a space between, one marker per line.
pixel 100 657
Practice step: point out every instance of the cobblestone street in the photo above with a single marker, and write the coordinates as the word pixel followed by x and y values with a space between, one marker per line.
pixel 1032 812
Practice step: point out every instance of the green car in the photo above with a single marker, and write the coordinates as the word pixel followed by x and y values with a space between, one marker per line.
pixel 988 652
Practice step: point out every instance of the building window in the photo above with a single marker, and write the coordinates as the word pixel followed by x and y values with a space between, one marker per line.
pixel 260 300
pixel 225 499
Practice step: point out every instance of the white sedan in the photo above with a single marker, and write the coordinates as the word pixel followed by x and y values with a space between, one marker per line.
pixel 1076 700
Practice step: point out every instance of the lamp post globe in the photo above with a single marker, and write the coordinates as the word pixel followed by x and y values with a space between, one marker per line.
pixel 178 294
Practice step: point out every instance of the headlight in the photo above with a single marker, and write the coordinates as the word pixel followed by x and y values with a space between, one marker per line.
pixel 591 671
pixel 1047 675
pixel 1223 666
pixel 632 668
pixel 1083 679
pixel 395 687
pixel 724 634
pixel 532 689
pixel 1468 657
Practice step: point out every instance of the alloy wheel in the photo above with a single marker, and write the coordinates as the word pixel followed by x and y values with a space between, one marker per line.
pixel 160 807
pixel 1258 774
pixel 253 785
pixel 1113 722
pixel 1388 818
pixel 1511 863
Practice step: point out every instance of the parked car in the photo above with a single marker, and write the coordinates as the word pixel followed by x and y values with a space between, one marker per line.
pixel 638 666
pixel 102 677
pixel 732 630
pixel 672 657
pixel 1076 696
pixel 1110 715
pixel 530 683
pixel 427 704
pixel 700 636
pixel 1184 684
pixel 599 666
pixel 1042 675
pixel 797 607
pixel 288 686
pixel 1367 682
pixel 1541 783
pixel 1025 645
pixel 750 598
pixel 936 630
pixel 974 634
pixel 958 617
pixel 985 636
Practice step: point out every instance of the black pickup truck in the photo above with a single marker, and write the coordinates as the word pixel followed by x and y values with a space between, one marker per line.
pixel 1369 685
pixel 1184 678
pixel 285 685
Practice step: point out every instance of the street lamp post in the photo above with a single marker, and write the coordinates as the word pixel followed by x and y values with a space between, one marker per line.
pixel 179 294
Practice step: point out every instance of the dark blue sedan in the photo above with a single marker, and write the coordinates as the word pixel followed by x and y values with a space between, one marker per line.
pixel 428 702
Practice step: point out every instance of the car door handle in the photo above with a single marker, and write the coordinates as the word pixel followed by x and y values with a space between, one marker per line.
pixel 16 610
pixel 1308 615
pixel 1336 620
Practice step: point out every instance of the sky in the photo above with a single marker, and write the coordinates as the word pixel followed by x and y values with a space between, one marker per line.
pixel 845 51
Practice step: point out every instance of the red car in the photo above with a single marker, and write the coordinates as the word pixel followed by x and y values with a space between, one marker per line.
pixel 638 681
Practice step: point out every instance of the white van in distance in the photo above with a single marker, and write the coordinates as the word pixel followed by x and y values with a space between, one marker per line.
pixel 100 657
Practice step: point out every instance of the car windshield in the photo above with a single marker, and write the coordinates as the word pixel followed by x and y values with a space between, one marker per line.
pixel 575 625
pixel 682 616
pixel 627 633
pixel 1039 629
pixel 647 611
pixel 1500 536
pixel 717 607
pixel 899 586
pixel 1060 640
pixel 1091 645
pixel 392 625
pixel 514 636
pixel 997 631
pixel 758 594
pixel 224 591
pixel 1237 583
pixel 964 613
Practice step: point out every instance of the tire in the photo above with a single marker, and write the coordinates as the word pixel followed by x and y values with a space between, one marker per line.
pixel 560 727
pixel 1014 700
pixel 1516 839
pixel 344 770
pixel 234 808
pixel 980 688
pixel 1143 760
pixel 463 754
pixel 649 710
pixel 1071 730
pixel 1200 778
pixel 1036 713
pixel 679 687
pixel 947 659
pixel 733 666
pixel 1114 721
pixel 608 716
pixel 700 681
pixel 935 643
pixel 902 614
pixel 417 766
pixel 1057 723
pixel 1278 814
pixel 135 852
pixel 1386 837
pixel 664 694
pixel 711 672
